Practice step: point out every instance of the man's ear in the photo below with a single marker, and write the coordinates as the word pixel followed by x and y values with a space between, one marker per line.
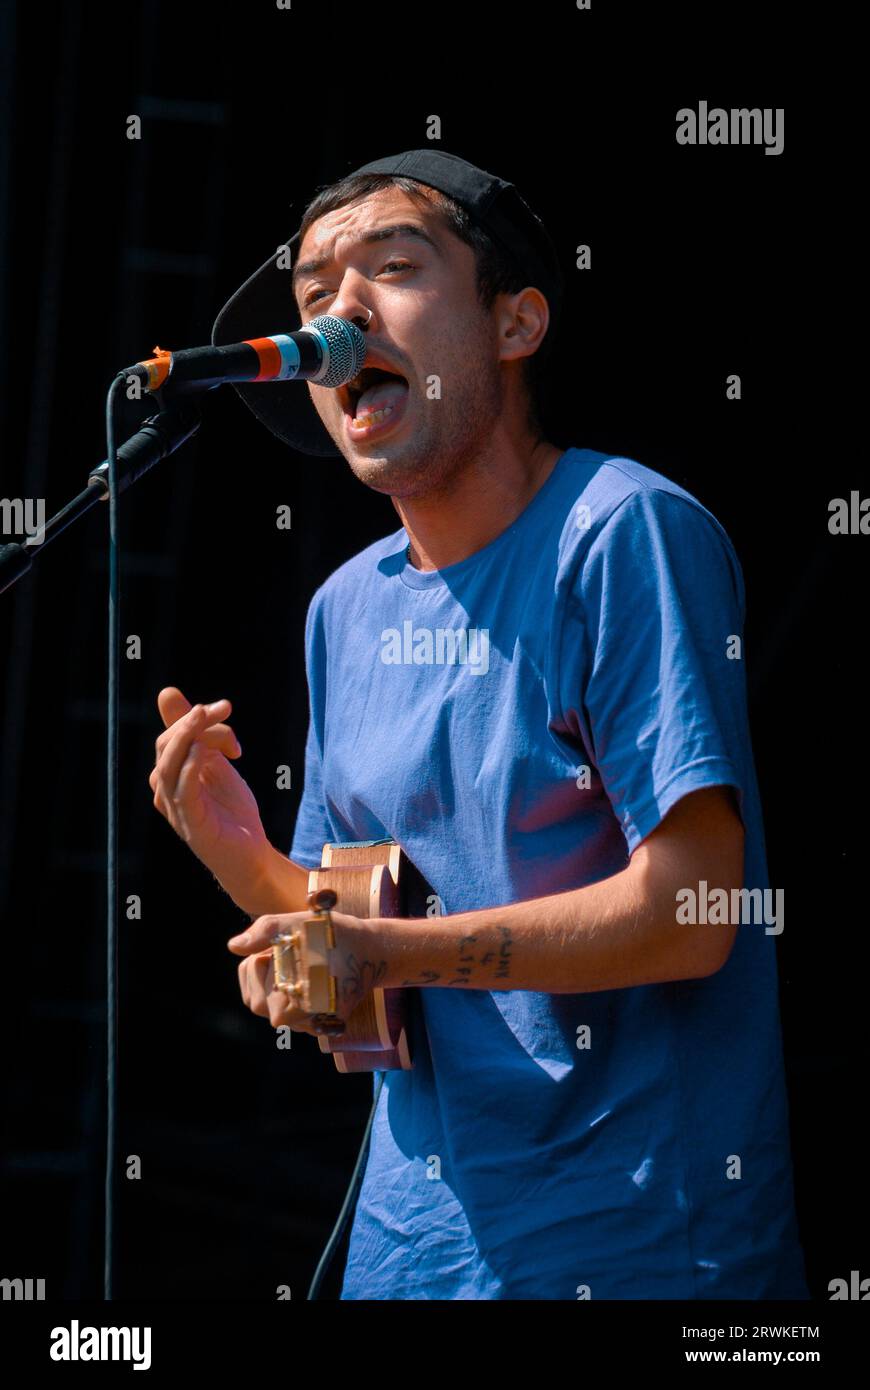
pixel 524 318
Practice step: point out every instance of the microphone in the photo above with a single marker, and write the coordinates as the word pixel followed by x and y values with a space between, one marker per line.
pixel 328 351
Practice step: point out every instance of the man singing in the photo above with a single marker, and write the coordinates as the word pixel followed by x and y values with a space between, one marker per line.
pixel 535 687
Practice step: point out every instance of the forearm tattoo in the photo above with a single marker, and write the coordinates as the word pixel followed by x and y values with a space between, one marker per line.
pixel 469 966
pixel 467 961
pixel 427 977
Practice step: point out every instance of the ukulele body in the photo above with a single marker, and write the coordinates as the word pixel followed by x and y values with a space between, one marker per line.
pixel 371 879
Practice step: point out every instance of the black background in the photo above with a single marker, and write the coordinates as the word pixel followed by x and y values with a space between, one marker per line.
pixel 705 262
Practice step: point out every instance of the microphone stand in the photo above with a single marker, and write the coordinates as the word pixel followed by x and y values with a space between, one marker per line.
pixel 157 438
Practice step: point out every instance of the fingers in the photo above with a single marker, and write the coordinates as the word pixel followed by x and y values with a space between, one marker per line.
pixel 218 736
pixel 283 1015
pixel 260 933
pixel 256 981
pixel 222 738
pixel 183 736
pixel 172 704
pixel 186 726
pixel 257 985
pixel 244 986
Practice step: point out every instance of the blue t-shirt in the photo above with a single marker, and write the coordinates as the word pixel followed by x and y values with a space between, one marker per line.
pixel 627 1143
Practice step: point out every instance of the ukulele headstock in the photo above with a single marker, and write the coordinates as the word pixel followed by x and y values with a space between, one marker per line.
pixel 301 964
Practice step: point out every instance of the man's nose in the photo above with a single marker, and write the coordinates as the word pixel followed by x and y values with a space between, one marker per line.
pixel 350 304
pixel 361 317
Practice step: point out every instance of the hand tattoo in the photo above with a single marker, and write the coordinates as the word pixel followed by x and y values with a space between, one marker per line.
pixel 362 976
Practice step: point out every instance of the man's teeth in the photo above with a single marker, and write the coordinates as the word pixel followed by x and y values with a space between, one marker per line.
pixel 371 417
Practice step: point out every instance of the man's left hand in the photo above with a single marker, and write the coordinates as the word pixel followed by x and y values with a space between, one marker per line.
pixel 356 962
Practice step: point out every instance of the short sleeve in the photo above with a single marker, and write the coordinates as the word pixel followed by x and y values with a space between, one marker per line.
pixel 651 658
pixel 312 829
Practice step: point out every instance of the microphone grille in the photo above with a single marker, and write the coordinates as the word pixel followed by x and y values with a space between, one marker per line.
pixel 346 349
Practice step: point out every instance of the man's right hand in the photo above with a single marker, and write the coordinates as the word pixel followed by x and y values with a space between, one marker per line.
pixel 201 794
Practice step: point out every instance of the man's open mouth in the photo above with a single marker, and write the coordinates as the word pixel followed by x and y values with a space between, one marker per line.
pixel 373 395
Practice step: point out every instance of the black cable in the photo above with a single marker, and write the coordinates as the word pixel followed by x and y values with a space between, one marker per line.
pixel 350 1198
pixel 111 841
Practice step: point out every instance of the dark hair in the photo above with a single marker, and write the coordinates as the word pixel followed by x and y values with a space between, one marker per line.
pixel 497 272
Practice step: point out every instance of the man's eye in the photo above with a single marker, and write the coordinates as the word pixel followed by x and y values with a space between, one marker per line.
pixel 399 265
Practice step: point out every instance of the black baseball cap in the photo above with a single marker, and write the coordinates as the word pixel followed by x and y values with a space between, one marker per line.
pixel 265 304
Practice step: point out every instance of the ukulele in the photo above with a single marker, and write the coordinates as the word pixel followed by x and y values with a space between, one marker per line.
pixel 365 878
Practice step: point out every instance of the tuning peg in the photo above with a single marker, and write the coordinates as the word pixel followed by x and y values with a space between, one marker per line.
pixel 322 899
pixel 329 1024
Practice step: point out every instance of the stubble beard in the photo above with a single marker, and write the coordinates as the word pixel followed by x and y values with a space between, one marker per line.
pixel 452 435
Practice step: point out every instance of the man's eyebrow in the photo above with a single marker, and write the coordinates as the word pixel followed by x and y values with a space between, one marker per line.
pixel 411 229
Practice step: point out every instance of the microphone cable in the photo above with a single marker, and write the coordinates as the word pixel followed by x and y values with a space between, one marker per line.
pixel 350 1198
pixel 114 626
